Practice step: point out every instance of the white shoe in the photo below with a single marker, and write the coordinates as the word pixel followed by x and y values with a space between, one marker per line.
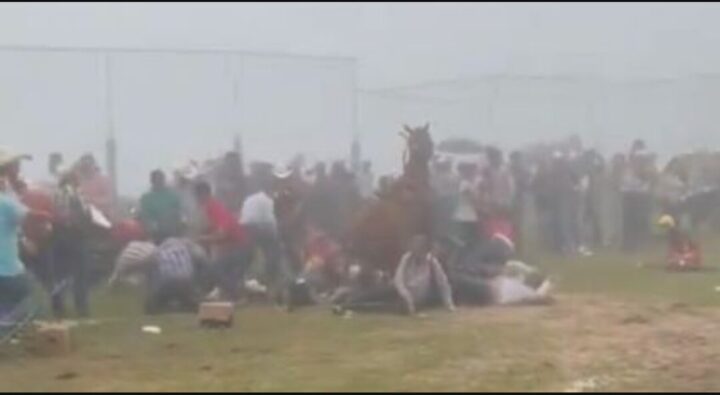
pixel 545 288
pixel 214 295
pixel 584 251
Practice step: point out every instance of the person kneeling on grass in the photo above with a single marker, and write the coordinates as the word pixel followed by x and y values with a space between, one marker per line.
pixel 171 271
pixel 683 253
pixel 418 281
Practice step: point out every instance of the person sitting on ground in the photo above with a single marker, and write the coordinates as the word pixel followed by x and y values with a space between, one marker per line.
pixel 420 276
pixel 683 253
pixel 419 281
pixel 324 271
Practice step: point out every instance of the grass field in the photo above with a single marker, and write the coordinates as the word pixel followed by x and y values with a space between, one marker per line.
pixel 617 325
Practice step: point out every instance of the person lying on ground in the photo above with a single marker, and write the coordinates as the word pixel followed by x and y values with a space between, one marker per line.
pixel 520 284
pixel 470 272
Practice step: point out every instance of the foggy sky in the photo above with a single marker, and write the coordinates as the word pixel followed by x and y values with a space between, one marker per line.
pixel 56 102
pixel 401 43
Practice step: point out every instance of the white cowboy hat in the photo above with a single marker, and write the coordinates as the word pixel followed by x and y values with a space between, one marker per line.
pixel 8 156
pixel 282 172
pixel 188 171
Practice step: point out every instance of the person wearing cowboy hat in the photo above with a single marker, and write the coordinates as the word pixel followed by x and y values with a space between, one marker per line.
pixel 193 218
pixel 14 282
pixel 10 166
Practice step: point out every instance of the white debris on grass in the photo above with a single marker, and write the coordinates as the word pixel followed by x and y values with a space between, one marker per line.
pixel 587 384
pixel 152 329
pixel 255 286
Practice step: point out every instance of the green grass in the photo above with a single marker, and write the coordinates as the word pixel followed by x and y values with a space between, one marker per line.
pixel 590 332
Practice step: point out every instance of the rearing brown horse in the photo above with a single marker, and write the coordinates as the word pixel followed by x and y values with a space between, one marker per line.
pixel 379 236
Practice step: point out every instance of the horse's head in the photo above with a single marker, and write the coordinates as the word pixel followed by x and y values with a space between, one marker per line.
pixel 420 146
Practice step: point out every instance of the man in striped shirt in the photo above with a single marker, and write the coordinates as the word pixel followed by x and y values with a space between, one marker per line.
pixel 171 269
pixel 171 276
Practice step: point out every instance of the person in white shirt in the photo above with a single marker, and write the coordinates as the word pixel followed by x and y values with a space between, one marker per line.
pixel 465 216
pixel 258 217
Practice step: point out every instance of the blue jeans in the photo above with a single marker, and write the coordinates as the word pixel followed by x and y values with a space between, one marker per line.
pixel 69 267
pixel 229 270
pixel 162 292
pixel 13 290
pixel 267 240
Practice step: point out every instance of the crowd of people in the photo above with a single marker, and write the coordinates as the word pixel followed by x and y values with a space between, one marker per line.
pixel 198 236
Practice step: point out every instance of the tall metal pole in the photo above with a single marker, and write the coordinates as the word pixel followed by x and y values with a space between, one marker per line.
pixel 111 145
pixel 236 111
pixel 356 144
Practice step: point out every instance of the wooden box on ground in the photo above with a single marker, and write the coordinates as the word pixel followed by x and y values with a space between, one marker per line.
pixel 49 339
pixel 216 314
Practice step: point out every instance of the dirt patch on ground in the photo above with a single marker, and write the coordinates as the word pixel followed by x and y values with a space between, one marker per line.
pixel 600 343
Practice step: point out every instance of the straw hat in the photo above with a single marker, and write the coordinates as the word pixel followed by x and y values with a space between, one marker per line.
pixel 666 222
pixel 8 156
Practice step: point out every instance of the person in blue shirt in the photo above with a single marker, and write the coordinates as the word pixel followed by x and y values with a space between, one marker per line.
pixel 14 284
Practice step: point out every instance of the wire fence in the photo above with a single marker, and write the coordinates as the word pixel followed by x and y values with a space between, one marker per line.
pixel 165 107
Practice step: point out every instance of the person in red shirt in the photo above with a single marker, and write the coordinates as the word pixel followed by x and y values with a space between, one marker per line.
pixel 227 241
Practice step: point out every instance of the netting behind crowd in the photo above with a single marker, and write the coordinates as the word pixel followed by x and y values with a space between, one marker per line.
pixel 672 115
pixel 167 108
